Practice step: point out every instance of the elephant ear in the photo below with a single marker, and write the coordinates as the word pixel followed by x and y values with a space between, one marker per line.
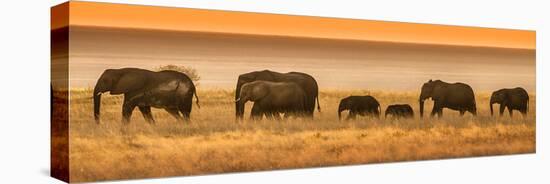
pixel 343 102
pixel 259 92
pixel 437 92
pixel 506 96
pixel 128 82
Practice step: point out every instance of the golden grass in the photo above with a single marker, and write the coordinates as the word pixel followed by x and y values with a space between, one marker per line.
pixel 214 143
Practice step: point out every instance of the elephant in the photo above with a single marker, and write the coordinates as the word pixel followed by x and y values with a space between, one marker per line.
pixel 399 110
pixel 305 81
pixel 455 96
pixel 272 98
pixel 359 105
pixel 170 90
pixel 513 99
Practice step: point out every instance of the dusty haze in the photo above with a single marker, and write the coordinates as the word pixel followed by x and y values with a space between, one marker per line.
pixel 342 64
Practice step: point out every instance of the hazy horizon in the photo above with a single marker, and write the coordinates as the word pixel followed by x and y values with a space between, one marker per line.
pixel 343 64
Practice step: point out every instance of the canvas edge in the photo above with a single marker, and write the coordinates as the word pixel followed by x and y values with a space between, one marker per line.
pixel 59 120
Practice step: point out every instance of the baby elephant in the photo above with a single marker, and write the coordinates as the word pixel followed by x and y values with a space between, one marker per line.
pixel 513 99
pixel 399 111
pixel 362 105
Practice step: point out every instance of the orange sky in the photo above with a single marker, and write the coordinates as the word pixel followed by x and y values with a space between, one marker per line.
pixel 185 19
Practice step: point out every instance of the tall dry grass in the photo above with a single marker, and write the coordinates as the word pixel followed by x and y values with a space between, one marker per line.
pixel 213 142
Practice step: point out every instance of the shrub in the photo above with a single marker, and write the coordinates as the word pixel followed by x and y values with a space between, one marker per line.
pixel 189 71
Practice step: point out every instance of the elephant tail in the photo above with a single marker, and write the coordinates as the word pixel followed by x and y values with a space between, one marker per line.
pixel 527 106
pixel 474 110
pixel 197 97
pixel 318 104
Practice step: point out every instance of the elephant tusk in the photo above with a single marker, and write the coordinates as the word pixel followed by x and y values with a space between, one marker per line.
pixel 239 99
pixel 99 93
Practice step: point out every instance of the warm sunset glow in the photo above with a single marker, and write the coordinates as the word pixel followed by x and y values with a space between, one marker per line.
pixel 184 19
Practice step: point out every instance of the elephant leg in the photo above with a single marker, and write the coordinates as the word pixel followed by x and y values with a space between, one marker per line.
pixel 437 109
pixel 146 112
pixel 287 115
pixel 310 107
pixel 272 115
pixel 371 114
pixel 127 109
pixel 462 112
pixel 175 113
pixel 440 113
pixel 524 112
pixel 298 114
pixel 256 112
pixel 290 113
pixel 351 115
pixel 473 111
pixel 501 109
pixel 434 110
pixel 510 111
pixel 309 114
pixel 185 108
pixel 277 116
pixel 398 113
pixel 268 115
pixel 395 115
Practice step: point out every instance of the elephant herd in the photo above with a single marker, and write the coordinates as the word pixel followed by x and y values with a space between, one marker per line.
pixel 293 94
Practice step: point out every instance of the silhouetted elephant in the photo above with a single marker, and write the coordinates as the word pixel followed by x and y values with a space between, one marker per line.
pixel 513 99
pixel 272 98
pixel 399 111
pixel 455 96
pixel 305 81
pixel 170 90
pixel 359 105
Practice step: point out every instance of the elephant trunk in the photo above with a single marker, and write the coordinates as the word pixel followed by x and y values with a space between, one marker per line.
pixel 421 103
pixel 97 103
pixel 340 109
pixel 421 99
pixel 491 102
pixel 239 107
pixel 240 103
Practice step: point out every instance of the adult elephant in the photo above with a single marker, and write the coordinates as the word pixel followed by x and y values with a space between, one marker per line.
pixel 272 98
pixel 513 99
pixel 305 81
pixel 455 96
pixel 170 90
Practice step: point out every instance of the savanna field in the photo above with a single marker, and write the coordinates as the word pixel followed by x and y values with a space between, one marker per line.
pixel 213 142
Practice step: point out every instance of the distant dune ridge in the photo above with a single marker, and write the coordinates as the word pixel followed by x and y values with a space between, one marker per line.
pixel 220 58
